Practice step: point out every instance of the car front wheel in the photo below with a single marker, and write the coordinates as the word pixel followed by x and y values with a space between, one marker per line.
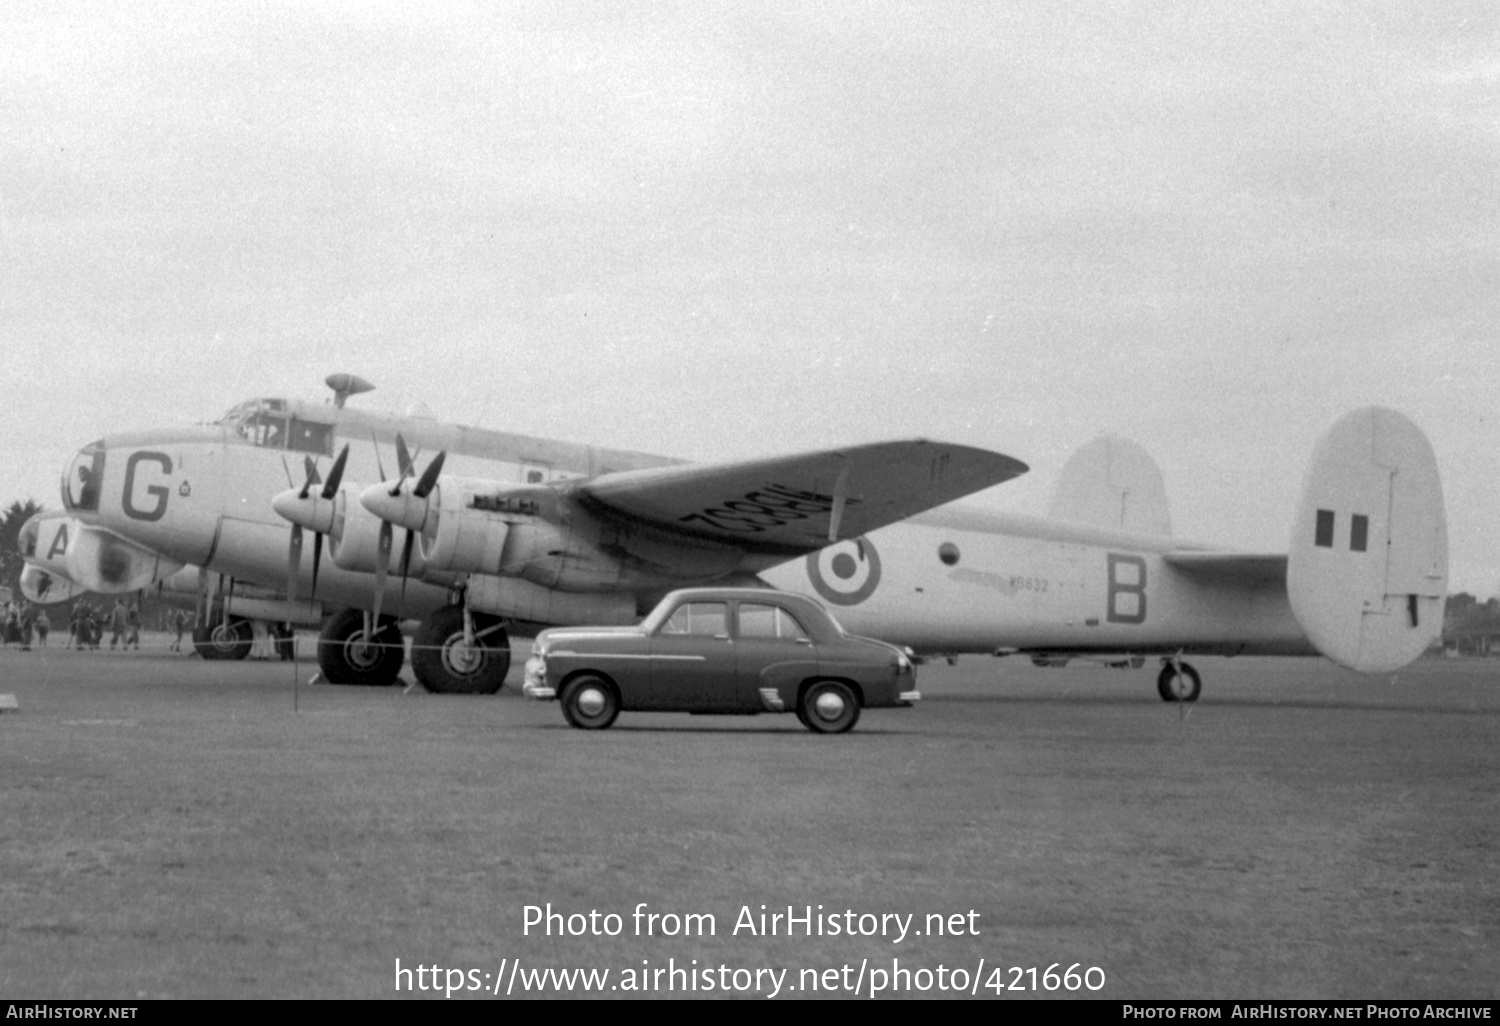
pixel 589 702
pixel 829 707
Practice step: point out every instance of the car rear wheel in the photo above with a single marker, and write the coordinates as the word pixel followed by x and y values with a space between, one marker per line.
pixel 589 702
pixel 829 707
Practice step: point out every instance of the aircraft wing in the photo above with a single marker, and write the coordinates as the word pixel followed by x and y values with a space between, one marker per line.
pixel 1242 568
pixel 795 504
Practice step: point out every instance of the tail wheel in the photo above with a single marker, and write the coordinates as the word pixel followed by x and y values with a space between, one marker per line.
pixel 589 702
pixel 1178 687
pixel 829 707
pixel 220 640
pixel 447 664
pixel 346 655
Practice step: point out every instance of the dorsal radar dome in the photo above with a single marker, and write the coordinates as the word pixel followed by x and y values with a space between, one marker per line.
pixel 344 385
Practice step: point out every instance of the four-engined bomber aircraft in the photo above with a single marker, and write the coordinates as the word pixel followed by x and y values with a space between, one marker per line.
pixel 470 530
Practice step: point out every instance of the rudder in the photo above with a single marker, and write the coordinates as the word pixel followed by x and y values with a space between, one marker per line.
pixel 1367 570
pixel 1114 483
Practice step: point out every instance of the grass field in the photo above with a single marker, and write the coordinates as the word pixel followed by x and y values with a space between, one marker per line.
pixel 173 828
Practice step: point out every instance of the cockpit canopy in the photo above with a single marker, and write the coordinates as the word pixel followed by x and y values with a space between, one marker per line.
pixel 267 424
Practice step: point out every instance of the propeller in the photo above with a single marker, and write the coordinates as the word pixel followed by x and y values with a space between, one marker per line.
pixel 399 505
pixel 306 509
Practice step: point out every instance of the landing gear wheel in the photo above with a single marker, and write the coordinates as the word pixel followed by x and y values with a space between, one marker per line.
pixel 1178 687
pixel 589 702
pixel 445 664
pixel 220 640
pixel 347 656
pixel 829 707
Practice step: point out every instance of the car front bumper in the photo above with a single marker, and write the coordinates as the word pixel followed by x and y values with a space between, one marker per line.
pixel 536 685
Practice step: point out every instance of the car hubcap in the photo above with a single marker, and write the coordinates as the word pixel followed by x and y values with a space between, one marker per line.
pixel 591 702
pixel 829 705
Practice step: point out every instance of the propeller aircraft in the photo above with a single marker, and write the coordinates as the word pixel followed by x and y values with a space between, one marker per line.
pixel 503 530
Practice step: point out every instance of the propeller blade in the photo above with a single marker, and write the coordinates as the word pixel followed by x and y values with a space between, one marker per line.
pixel 430 475
pixel 317 559
pixel 382 568
pixel 309 468
pixel 289 482
pixel 403 456
pixel 294 563
pixel 331 486
pixel 379 463
pixel 411 536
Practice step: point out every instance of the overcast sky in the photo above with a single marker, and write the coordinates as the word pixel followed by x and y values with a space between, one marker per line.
pixel 727 230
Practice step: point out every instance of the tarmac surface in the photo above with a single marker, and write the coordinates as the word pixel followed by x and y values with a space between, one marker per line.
pixel 176 828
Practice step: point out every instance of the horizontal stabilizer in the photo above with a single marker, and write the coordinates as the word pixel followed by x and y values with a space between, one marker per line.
pixel 1238 568
pixel 1113 483
pixel 1367 572
pixel 803 502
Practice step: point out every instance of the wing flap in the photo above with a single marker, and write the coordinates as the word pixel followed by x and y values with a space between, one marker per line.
pixel 1244 568
pixel 802 502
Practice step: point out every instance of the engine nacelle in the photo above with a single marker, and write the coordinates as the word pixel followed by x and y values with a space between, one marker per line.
pixel 475 528
pixel 101 561
pixel 354 542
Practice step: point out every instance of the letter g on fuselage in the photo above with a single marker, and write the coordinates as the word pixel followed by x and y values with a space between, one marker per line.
pixel 155 508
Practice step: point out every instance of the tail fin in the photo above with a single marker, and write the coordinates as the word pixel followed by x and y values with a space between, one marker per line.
pixel 1111 482
pixel 1367 570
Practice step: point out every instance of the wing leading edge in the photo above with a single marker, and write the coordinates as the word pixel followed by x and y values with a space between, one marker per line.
pixel 795 504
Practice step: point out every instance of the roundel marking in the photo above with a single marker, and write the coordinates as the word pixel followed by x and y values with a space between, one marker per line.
pixel 846 573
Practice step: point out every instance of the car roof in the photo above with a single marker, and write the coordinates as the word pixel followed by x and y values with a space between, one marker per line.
pixel 738 594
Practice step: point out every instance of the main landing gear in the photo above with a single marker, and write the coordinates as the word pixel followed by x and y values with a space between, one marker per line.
pixel 349 652
pixel 1178 682
pixel 223 639
pixel 452 658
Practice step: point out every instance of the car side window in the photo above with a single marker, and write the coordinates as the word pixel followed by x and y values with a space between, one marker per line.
pixel 699 618
pixel 762 621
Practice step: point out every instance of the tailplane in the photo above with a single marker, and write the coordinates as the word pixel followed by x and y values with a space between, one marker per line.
pixel 1367 570
pixel 1113 483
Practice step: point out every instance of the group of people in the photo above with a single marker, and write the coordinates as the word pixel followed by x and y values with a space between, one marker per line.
pixel 20 622
pixel 23 621
pixel 87 623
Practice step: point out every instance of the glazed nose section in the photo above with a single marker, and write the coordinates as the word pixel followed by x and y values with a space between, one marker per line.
pixel 83 479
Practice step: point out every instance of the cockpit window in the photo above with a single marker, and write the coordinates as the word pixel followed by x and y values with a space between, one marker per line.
pixel 80 491
pixel 263 430
pixel 265 423
pixel 307 436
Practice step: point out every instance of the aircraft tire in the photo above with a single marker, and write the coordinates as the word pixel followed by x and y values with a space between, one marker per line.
pixel 344 658
pixel 829 707
pixel 1175 689
pixel 227 641
pixel 446 666
pixel 589 702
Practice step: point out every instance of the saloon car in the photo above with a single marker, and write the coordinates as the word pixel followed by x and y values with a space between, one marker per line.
pixel 721 650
